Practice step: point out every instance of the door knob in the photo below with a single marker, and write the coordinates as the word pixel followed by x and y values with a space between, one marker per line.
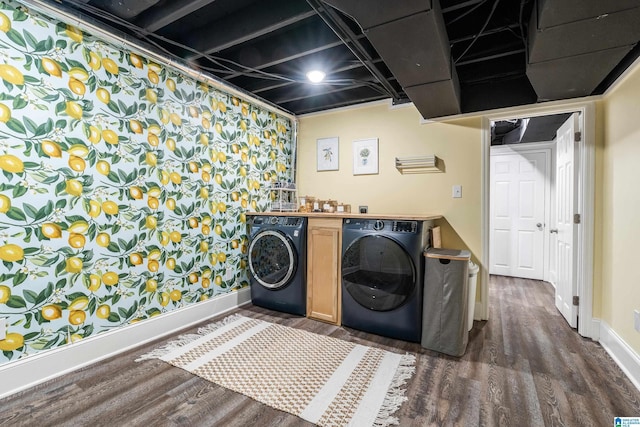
pixel 553 230
pixel 539 225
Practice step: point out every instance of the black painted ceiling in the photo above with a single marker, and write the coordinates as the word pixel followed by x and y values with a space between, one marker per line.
pixel 265 47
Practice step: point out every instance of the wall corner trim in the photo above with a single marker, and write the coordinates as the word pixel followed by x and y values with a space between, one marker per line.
pixel 621 353
pixel 22 374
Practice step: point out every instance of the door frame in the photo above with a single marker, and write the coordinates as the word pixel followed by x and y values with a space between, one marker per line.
pixel 585 169
pixel 546 148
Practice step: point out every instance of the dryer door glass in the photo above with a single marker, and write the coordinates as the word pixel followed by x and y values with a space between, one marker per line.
pixel 378 273
pixel 272 259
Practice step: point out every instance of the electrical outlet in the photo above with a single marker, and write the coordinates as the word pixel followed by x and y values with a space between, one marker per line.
pixel 363 209
pixel 636 320
pixel 3 328
pixel 456 191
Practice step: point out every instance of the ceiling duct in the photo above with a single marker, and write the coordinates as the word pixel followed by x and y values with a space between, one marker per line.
pixel 579 42
pixel 411 38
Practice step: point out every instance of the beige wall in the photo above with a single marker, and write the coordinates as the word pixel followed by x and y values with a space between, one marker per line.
pixel 620 197
pixel 457 143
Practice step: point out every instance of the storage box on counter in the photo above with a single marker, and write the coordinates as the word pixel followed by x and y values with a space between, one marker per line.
pixel 305 203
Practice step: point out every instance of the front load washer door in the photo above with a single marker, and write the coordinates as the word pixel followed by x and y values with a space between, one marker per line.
pixel 272 259
pixel 378 273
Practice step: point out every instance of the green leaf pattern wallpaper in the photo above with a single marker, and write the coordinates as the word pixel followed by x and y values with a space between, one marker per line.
pixel 123 184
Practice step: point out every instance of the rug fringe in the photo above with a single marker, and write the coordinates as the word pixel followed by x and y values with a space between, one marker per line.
pixel 183 340
pixel 395 396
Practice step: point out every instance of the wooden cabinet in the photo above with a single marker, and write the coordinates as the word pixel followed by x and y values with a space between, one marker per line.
pixel 324 246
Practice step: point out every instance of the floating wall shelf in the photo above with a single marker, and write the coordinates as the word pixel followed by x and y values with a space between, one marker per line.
pixel 419 164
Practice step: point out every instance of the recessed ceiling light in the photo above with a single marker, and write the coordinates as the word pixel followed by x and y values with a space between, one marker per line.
pixel 316 76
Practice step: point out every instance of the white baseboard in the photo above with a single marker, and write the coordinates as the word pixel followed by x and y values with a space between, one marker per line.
pixel 621 353
pixel 36 369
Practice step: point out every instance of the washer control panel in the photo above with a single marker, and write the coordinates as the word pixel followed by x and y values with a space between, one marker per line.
pixel 278 220
pixel 382 225
pixel 405 226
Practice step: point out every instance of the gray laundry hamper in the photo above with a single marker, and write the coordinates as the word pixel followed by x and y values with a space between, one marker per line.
pixel 445 301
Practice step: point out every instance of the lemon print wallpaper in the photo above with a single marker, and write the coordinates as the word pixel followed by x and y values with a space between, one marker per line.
pixel 123 184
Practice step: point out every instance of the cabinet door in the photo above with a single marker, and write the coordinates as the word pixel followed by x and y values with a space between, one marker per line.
pixel 323 270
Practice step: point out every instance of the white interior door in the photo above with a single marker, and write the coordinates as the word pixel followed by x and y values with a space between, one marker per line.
pixel 517 214
pixel 566 203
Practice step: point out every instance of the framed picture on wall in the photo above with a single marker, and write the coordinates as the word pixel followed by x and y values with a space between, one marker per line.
pixel 365 156
pixel 327 154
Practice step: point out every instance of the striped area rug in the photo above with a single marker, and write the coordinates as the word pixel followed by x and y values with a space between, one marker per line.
pixel 324 380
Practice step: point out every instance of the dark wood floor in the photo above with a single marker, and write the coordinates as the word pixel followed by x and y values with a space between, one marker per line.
pixel 523 367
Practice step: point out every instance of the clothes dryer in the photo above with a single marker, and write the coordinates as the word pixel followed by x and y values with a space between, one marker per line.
pixel 277 263
pixel 382 276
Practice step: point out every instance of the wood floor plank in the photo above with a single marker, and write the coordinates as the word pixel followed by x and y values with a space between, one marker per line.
pixel 524 366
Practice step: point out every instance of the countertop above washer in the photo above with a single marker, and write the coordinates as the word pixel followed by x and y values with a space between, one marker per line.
pixel 407 217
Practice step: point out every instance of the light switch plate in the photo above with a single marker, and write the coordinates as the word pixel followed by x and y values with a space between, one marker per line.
pixel 457 192
pixel 3 328
pixel 636 320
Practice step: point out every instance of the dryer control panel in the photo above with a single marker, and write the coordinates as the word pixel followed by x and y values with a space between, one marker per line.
pixel 396 226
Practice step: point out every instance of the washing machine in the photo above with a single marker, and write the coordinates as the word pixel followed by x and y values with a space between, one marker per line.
pixel 382 276
pixel 277 263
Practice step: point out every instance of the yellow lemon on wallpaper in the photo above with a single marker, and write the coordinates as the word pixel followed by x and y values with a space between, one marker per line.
pixel 103 311
pixel 73 33
pixel 243 216
pixel 194 112
pixel 135 126
pixel 170 203
pixel 12 341
pixel 193 278
pixel 164 238
pixel 171 85
pixel 103 95
pixel 222 207
pixel 51 67
pixel 206 176
pixel 11 163
pixel 73 265
pixel 154 129
pixel 11 74
pixel 51 312
pixel 151 222
pixel 171 263
pixel 205 284
pixel 206 230
pixel 5 113
pixel 214 207
pixel 154 192
pixel 110 278
pixel 204 246
pixel 78 150
pixel 222 257
pixel 218 229
pixel 153 265
pixel 222 107
pixel 175 119
pixel 193 222
pixel 73 187
pixel 103 239
pixel 77 317
pixel 244 111
pixel 206 123
pixel 151 159
pixel 110 137
pixel 218 280
pixel 214 259
pixel 73 110
pixel 79 303
pixel 94 282
pixel 204 193
pixel 222 157
pixel 151 285
pixel 77 240
pixel 175 236
pixel 154 254
pixel 94 209
pixel 5 203
pixel 5 294
pixel 135 192
pixel 110 207
pixel 51 230
pixel 5 23
pixel 135 60
pixel 51 149
pixel 110 65
pixel 164 299
pixel 235 101
pixel 243 125
pixel 234 196
pixel 175 295
pixel 171 144
pixel 153 202
pixel 135 258
pixel 193 167
pixel 94 61
pixel 234 244
pixel 153 139
pixel 103 167
pixel 164 178
pixel 77 163
pixel 218 127
pixel 77 87
pixel 94 135
pixel 164 116
pixel 175 178
pixel 81 226
pixel 153 77
pixel 218 178
pixel 78 74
